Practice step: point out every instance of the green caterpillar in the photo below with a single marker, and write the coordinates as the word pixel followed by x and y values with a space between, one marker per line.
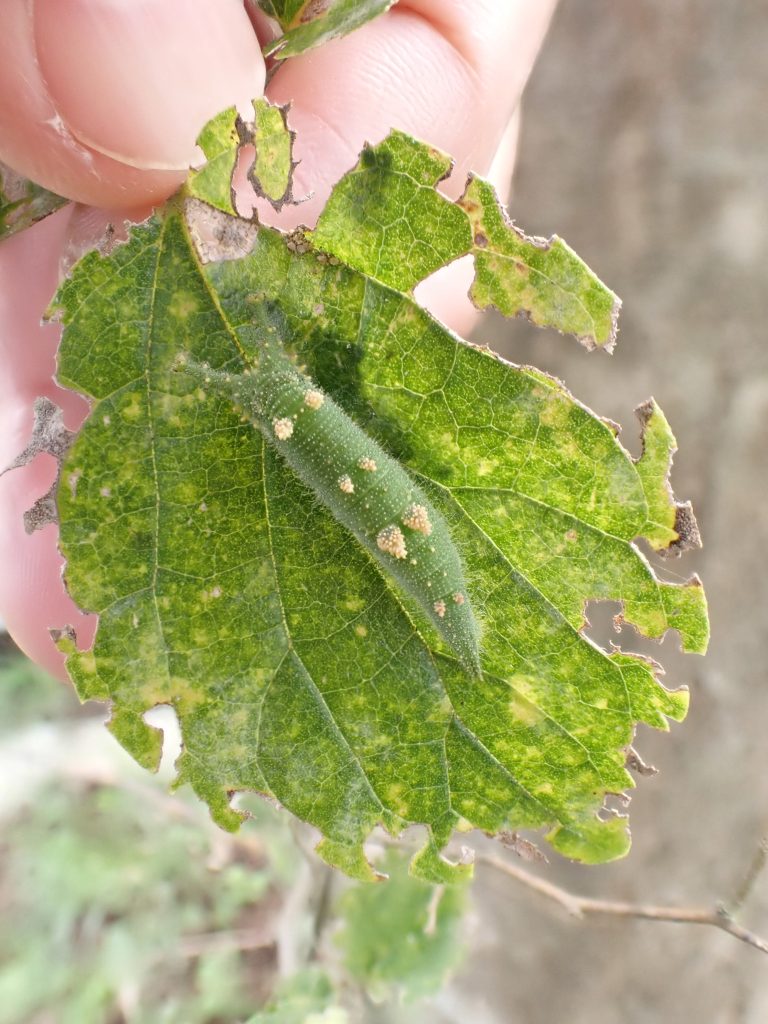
pixel 367 490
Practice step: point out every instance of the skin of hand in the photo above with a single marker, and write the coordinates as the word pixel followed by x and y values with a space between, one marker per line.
pixel 101 101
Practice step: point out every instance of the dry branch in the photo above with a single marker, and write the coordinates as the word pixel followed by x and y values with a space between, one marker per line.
pixel 581 906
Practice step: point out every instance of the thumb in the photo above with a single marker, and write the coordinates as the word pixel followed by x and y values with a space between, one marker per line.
pixel 101 100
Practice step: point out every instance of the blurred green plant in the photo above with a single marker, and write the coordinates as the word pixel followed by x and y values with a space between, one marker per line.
pixel 306 998
pixel 403 938
pixel 118 910
pixel 28 694
pixel 114 911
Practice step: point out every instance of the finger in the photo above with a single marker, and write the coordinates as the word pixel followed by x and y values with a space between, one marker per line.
pixel 450 73
pixel 32 596
pixel 101 100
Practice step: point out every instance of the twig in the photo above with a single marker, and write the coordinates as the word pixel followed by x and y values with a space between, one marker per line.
pixel 580 906
pixel 754 871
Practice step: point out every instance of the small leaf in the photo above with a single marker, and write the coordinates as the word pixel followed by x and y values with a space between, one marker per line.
pixel 402 937
pixel 304 998
pixel 541 279
pixel 219 141
pixel 272 171
pixel 385 219
pixel 309 23
pixel 23 203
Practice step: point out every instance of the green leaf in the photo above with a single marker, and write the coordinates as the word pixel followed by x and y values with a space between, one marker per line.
pixel 305 998
pixel 142 880
pixel 219 141
pixel 386 220
pixel 309 23
pixel 541 279
pixel 297 668
pixel 23 203
pixel 402 937
pixel 272 171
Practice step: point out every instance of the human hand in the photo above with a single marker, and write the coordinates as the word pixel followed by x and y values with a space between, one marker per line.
pixel 101 101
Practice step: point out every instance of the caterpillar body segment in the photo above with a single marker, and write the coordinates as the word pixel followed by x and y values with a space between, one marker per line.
pixel 366 490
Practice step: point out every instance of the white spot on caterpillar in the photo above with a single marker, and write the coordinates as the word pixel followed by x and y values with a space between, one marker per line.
pixel 439 607
pixel 367 464
pixel 417 518
pixel 391 540
pixel 313 399
pixel 283 428
pixel 346 485
pixel 458 598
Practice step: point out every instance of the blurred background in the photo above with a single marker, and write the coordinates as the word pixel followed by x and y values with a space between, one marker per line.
pixel 645 145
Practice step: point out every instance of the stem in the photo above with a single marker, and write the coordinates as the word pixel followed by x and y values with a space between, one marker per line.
pixel 581 906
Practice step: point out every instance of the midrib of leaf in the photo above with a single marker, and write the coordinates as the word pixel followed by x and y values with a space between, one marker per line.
pixel 153 449
pixel 292 652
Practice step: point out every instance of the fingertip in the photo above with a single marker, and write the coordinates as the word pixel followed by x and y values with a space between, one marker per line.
pixel 115 93
pixel 32 594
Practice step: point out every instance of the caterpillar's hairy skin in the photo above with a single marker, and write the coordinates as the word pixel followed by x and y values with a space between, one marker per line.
pixel 367 490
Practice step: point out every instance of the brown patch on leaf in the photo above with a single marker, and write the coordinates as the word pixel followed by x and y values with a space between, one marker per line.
pixel 216 235
pixel 313 10
pixel 644 411
pixel 65 633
